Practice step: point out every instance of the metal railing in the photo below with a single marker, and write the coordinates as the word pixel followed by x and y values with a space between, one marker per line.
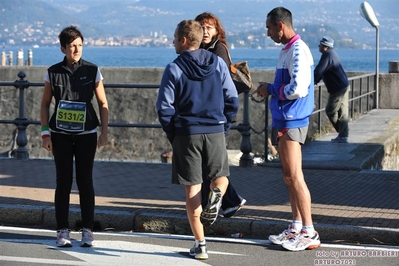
pixel 359 102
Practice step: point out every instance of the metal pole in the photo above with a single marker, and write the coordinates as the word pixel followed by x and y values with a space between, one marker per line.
pixel 21 122
pixel 246 159
pixel 377 65
pixel 266 130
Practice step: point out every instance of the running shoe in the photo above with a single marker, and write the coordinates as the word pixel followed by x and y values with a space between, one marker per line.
pixel 232 211
pixel 63 239
pixel 87 238
pixel 211 211
pixel 340 140
pixel 303 241
pixel 199 252
pixel 285 236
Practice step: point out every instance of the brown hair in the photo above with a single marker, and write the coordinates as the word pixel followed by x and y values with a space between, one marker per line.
pixel 192 30
pixel 211 19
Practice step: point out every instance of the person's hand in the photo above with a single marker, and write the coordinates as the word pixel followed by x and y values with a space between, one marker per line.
pixel 261 91
pixel 47 144
pixel 102 140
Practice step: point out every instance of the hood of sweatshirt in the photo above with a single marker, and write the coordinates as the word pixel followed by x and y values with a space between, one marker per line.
pixel 197 64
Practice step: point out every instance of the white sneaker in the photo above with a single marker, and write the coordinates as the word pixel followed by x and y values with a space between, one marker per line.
pixel 211 211
pixel 303 241
pixel 285 236
pixel 199 252
pixel 232 210
pixel 63 239
pixel 87 238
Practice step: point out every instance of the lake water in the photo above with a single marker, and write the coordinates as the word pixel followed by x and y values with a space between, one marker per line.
pixel 353 60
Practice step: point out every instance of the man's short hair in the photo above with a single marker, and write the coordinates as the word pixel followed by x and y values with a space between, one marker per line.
pixel 192 30
pixel 280 14
pixel 68 35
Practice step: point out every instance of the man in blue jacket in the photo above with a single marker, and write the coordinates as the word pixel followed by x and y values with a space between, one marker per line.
pixel 291 105
pixel 197 101
pixel 334 77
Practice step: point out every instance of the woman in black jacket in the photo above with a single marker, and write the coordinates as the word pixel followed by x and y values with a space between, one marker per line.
pixel 214 40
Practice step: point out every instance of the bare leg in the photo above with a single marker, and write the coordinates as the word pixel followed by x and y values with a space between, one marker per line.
pixel 291 160
pixel 194 209
pixel 221 183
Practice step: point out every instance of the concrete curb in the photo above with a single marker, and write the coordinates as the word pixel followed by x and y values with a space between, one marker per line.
pixel 178 224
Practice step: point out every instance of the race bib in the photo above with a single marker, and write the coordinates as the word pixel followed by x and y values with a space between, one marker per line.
pixel 71 116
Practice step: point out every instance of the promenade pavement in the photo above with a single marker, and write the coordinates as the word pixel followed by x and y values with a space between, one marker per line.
pixel 350 203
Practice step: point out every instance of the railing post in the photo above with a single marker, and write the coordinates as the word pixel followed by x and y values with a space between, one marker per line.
pixel 267 129
pixel 320 107
pixel 244 128
pixel 21 122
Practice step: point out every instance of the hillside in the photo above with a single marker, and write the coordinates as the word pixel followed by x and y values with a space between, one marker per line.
pixel 33 21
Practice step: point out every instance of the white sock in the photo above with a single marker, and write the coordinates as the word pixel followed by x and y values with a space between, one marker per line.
pixel 199 242
pixel 309 230
pixel 297 225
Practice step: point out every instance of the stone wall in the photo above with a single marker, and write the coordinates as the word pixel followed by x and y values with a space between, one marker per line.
pixel 389 87
pixel 135 106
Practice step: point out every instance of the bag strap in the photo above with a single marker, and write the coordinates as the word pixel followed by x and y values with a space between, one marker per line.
pixel 228 53
pixel 233 69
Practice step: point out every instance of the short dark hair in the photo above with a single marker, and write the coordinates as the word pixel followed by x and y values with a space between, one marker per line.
pixel 280 14
pixel 192 30
pixel 68 35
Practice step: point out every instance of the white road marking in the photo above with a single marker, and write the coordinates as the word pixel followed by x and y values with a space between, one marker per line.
pixel 42 261
pixel 105 252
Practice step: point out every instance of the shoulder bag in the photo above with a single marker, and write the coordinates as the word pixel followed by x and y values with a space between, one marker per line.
pixel 240 74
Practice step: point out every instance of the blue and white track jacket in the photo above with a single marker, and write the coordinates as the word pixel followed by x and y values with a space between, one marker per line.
pixel 292 92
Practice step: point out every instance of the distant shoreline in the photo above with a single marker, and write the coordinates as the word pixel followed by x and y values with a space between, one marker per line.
pixel 354 60
pixel 17 47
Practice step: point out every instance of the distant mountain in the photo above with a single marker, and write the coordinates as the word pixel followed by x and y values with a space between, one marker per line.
pixel 37 19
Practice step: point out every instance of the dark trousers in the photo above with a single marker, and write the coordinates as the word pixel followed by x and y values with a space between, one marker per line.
pixel 337 111
pixel 65 149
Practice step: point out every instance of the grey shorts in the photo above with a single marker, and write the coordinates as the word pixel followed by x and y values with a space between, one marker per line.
pixel 296 134
pixel 196 153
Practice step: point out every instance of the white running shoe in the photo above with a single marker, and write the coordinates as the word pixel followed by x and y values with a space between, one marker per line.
pixel 229 212
pixel 63 239
pixel 199 252
pixel 87 238
pixel 210 212
pixel 303 241
pixel 285 236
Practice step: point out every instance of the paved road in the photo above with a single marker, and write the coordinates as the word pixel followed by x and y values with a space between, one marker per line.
pixel 21 246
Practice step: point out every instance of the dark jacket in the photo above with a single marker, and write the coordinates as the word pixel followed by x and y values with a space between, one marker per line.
pixel 216 47
pixel 331 71
pixel 78 86
pixel 196 95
